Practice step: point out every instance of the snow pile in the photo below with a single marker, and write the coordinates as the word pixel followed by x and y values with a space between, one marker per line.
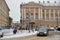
pixel 21 34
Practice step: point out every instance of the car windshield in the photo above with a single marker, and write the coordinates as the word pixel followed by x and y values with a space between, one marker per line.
pixel 0 29
pixel 43 29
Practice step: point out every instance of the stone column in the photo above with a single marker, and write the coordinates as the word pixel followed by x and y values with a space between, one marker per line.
pixel 25 14
pixel 45 14
pixel 58 14
pixel 39 14
pixel 49 14
pixel 34 16
pixel 45 18
pixel 34 13
pixel 22 14
pixel 54 14
pixel 58 18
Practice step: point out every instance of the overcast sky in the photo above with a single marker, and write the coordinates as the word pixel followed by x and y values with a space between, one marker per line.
pixel 14 6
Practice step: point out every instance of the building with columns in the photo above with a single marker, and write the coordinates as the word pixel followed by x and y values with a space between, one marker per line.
pixel 36 15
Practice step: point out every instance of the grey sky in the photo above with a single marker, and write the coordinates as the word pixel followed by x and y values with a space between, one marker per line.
pixel 14 6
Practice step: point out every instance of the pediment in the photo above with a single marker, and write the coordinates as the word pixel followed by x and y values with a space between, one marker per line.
pixel 32 4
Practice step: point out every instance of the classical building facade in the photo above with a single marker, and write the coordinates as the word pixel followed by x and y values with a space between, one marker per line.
pixel 36 15
pixel 4 13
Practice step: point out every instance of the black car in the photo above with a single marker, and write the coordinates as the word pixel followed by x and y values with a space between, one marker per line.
pixel 43 31
pixel 58 28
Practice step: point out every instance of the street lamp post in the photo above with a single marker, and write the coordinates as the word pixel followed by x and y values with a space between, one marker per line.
pixel 57 21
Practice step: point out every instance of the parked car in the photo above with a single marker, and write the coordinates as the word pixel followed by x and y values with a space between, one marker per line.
pixel 58 28
pixel 51 28
pixel 43 31
pixel 5 32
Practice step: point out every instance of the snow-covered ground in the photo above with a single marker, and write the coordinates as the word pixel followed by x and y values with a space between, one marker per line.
pixel 22 33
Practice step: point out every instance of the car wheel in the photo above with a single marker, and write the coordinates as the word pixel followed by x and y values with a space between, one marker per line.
pixel 1 35
pixel 37 34
pixel 46 35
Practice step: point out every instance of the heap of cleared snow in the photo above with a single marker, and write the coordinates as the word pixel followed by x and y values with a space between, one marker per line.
pixel 21 34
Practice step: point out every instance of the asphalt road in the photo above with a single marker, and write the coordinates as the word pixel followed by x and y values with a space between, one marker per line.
pixel 53 35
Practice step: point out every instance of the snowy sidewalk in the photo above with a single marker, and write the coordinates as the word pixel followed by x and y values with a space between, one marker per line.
pixel 21 34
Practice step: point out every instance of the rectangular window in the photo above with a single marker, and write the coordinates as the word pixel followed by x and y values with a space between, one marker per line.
pixel 36 15
pixel 47 16
pixel 31 13
pixel 52 11
pixel 52 15
pixel 27 16
pixel 47 10
pixel 43 14
pixel 32 16
pixel 56 13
